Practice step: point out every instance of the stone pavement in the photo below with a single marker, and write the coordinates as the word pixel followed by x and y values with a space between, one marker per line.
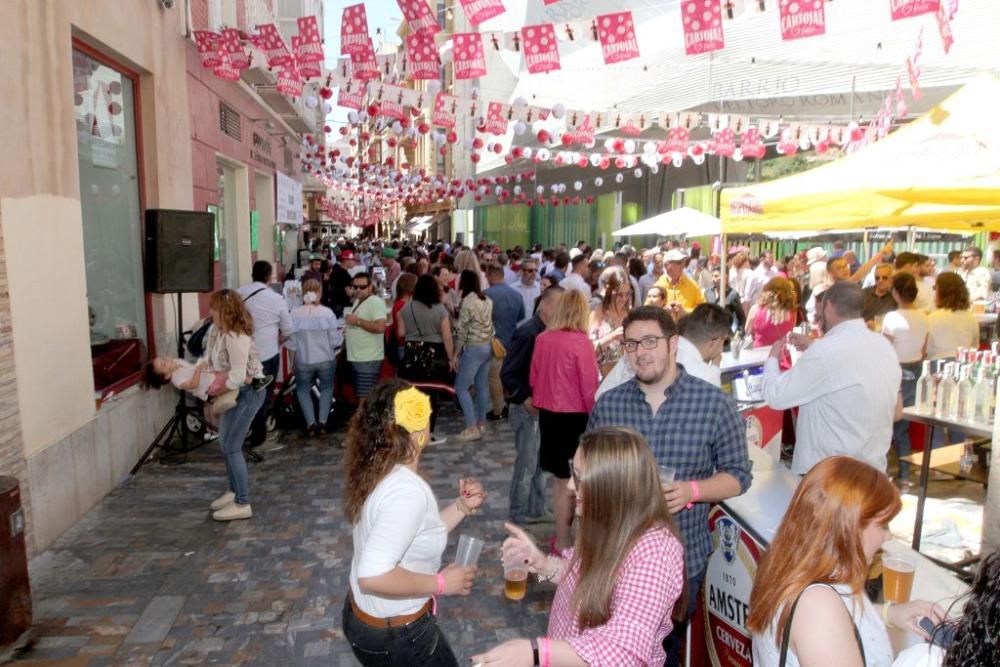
pixel 147 578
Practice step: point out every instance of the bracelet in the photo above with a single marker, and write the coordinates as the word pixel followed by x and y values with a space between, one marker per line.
pixel 550 577
pixel 885 614
pixel 440 584
pixel 534 651
pixel 695 494
pixel 462 507
pixel 546 651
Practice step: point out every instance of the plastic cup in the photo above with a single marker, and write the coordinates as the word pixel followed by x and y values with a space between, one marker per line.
pixel 515 581
pixel 468 551
pixel 667 475
pixel 897 576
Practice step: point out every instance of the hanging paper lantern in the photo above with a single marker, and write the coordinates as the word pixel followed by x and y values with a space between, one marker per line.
pixel 372 110
pixel 476 143
pixel 543 154
pixel 619 178
pixel 540 189
pixel 327 108
pixel 577 185
pixel 452 136
pixel 543 136
pixel 638 173
pixel 629 145
pixel 609 145
pixel 582 162
pixel 598 181
pixel 558 110
pixel 520 127
pixel 527 152
pixel 619 145
pixel 605 163
pixel 619 163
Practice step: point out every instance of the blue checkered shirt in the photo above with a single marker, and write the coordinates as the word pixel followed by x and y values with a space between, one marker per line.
pixel 698 431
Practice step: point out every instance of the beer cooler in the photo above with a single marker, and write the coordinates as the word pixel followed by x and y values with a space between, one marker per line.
pixel 15 593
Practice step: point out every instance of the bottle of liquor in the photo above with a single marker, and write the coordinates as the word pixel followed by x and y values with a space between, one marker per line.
pixel 965 395
pixel 946 393
pixel 925 390
pixel 967 459
pixel 984 397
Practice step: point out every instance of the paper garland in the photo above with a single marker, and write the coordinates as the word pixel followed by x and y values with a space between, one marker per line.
pixel 904 9
pixel 478 11
pixel 541 49
pixel 353 29
pixel 801 18
pixel 702 22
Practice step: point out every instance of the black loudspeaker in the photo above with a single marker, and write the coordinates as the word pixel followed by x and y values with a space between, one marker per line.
pixel 180 251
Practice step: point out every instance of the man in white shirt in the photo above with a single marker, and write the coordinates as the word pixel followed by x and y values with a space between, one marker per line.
pixel 509 275
pixel 577 277
pixel 759 277
pixel 977 278
pixel 909 262
pixel 272 324
pixel 528 286
pixel 650 278
pixel 846 385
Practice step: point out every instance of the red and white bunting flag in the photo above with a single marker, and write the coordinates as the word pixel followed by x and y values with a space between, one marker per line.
pixel 311 46
pixel 364 67
pixel 724 142
pixel 583 133
pixel 351 96
pixel 702 20
pixel 944 28
pixel 353 29
pixel 419 16
pixel 496 121
pixel 751 145
pixel 423 56
pixel 478 11
pixel 390 101
pixel 225 70
pixel 617 35
pixel 801 18
pixel 677 139
pixel 270 42
pixel 231 44
pixel 469 59
pixel 904 9
pixel 445 110
pixel 206 40
pixel 541 50
pixel 290 82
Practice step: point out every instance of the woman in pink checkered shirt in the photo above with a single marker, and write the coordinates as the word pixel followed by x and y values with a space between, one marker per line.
pixel 620 586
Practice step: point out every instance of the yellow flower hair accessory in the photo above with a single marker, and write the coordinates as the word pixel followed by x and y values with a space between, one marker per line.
pixel 412 409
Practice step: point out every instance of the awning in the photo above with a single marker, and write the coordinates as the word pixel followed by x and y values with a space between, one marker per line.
pixel 679 222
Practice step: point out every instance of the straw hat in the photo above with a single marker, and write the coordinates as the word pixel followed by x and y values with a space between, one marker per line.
pixel 815 255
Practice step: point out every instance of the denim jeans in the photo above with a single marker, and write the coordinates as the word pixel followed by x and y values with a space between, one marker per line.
pixel 527 488
pixel 418 643
pixel 233 427
pixel 901 429
pixel 474 369
pixel 305 375
pixel 365 376
pixel 672 643
pixel 258 427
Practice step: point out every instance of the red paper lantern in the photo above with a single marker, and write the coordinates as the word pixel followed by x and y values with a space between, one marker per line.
pixel 475 158
pixel 451 137
pixel 477 143
pixel 543 136
pixel 325 93
pixel 604 163
pixel 373 109
pixel 620 163
pixel 497 148
pixel 567 139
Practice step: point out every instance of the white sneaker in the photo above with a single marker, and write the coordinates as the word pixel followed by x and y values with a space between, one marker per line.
pixel 223 501
pixel 233 512
pixel 470 434
pixel 438 440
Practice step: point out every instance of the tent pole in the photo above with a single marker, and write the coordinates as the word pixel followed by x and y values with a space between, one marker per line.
pixel 911 238
pixel 723 272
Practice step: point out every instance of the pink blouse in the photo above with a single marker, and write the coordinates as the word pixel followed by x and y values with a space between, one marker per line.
pixel 564 375
pixel 649 582
pixel 766 332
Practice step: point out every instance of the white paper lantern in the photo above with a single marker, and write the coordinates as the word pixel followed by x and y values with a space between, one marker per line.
pixel 619 177
pixel 520 127
pixel 528 152
pixel 697 159
pixel 433 86
pixel 327 108
pixel 678 161
pixel 598 181
pixel 609 145
pixel 540 189
pixel 397 127
pixel 520 102
pixel 638 173
pixel 655 169
pixel 577 185
pixel 649 147
pixel 498 189
pixel 312 101
pixel 595 159
pixel 629 146
pixel 544 154
pixel 363 116
pixel 475 92
pixel 558 110
pixel 352 117
pixel 517 190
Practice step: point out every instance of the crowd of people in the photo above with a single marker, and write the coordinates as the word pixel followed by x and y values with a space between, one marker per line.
pixel 607 367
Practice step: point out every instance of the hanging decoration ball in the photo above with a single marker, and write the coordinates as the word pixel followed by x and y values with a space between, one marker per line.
pixel 540 189
pixel 423 128
pixel 738 155
pixel 599 181
pixel 619 163
pixel 619 146
pixel 595 159
pixel 443 150
pixel 363 116
pixel 520 127
pixel 577 185
pixel 554 188
pixel 517 190
pixel 575 200
pixel 857 133
pixel 498 190
pixel 327 108
pixel 475 93
pixel 373 109
pixel 609 145
pixel 544 154
pixel 638 173
pixel 823 147
pixel 605 163
pixel 516 152
pixel 619 178
pixel 678 160
pixel 527 152
pixel 567 139
pixel 696 149
pixel 582 162
pixel 697 159
pixel 629 145
pixel 352 117
pixel 498 148
pixel 452 136
pixel 543 136
pixel 433 86
pixel 325 92
pixel 589 200
pixel 397 127
pixel 649 147
pixel 520 102
pixel 311 101
pixel 446 58
pixel 558 110
pixel 477 143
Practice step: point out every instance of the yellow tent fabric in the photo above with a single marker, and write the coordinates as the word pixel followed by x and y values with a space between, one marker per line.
pixel 941 171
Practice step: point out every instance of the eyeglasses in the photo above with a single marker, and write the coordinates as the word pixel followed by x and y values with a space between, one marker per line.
pixel 529 270
pixel 647 342
pixel 365 286
pixel 883 277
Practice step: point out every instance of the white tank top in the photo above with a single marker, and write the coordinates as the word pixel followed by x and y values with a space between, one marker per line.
pixel 874 637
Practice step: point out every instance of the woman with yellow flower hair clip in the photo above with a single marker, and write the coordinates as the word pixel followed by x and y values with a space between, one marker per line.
pixel 399 534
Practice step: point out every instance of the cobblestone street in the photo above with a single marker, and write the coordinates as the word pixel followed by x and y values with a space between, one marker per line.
pixel 147 578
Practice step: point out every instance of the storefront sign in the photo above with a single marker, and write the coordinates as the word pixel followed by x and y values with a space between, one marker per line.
pixel 801 18
pixel 617 35
pixel 702 20
pixel 726 593
pixel 288 202
pixel 541 50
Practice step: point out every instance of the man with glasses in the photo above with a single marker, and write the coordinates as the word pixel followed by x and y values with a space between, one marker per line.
pixel 878 297
pixel 690 426
pixel 366 320
pixel 528 286
pixel 977 278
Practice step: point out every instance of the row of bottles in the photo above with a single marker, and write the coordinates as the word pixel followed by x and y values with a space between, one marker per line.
pixel 963 390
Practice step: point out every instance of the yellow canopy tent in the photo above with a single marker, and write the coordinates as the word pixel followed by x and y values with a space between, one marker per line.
pixel 941 171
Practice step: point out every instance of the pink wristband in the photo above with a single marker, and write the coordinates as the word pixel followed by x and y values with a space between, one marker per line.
pixel 545 649
pixel 440 584
pixel 695 494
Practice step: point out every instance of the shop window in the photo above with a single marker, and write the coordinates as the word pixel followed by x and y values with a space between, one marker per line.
pixel 110 182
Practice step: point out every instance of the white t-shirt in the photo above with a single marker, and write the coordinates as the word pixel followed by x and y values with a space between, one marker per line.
pixel 400 525
pixel 925 296
pixel 878 649
pixel 949 330
pixel 908 329
pixel 183 374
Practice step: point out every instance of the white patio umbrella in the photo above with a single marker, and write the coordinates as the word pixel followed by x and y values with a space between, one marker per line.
pixel 683 221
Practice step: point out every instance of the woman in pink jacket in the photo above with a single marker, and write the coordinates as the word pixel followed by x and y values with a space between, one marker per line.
pixel 564 379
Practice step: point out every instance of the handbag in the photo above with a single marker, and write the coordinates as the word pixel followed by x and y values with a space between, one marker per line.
pixel 499 351
pixel 786 635
pixel 418 356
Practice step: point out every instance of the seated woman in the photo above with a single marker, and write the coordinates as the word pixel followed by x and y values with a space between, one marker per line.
pixel 620 586
pixel 399 534
pixel 813 574
pixel 774 314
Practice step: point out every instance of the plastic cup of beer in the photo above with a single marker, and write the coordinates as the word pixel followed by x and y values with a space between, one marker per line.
pixel 515 581
pixel 897 576
pixel 469 548
pixel 667 475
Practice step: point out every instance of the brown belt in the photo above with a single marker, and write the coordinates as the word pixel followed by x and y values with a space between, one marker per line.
pixel 392 621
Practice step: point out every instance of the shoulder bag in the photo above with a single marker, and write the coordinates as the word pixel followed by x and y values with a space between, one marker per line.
pixel 786 635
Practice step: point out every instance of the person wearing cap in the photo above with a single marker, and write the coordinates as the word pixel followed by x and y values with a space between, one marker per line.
pixel 315 270
pixel 392 267
pixel 683 294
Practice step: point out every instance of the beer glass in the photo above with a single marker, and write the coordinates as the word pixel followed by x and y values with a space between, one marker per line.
pixel 468 551
pixel 897 576
pixel 515 581
pixel 667 475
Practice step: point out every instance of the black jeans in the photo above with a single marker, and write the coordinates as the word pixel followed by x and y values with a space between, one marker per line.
pixel 418 643
pixel 672 643
pixel 258 427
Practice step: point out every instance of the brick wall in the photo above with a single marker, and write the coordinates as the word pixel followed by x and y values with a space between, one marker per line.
pixel 11 445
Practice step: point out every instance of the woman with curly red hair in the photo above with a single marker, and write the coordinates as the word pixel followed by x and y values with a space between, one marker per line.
pixel 775 313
